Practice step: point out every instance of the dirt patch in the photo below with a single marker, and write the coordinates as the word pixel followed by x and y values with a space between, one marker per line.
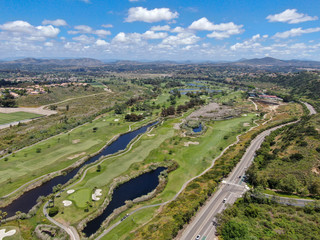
pixel 75 141
pixel 39 110
pixel 186 144
pixel 77 155
pixel 316 170
pixel 214 111
pixel 176 126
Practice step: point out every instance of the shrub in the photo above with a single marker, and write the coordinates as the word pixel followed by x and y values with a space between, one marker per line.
pixel 53 211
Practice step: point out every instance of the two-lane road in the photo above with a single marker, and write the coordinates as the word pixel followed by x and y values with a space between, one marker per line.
pixel 230 189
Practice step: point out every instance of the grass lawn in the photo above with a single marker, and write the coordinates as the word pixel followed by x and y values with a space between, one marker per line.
pixel 17 116
pixel 81 197
pixel 58 152
pixel 130 223
pixel 112 168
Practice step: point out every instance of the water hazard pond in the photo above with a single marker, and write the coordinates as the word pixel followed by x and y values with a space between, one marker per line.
pixel 26 201
pixel 130 190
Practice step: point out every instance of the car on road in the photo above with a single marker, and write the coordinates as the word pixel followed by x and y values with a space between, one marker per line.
pixel 198 237
pixel 224 200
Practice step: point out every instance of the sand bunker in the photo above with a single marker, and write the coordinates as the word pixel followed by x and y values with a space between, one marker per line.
pixel 116 120
pixel 96 194
pixel 75 141
pixel 4 234
pixel 70 191
pixel 246 124
pixel 186 144
pixel 150 135
pixel 66 203
pixel 77 155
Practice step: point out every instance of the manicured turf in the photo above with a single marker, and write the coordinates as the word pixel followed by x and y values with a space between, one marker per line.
pixel 192 161
pixel 114 167
pixel 17 116
pixel 81 197
pixel 58 152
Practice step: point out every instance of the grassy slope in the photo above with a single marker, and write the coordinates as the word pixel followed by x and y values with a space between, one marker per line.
pixel 27 164
pixel 17 116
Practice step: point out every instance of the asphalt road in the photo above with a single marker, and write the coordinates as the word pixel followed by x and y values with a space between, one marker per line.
pixel 230 189
pixel 310 107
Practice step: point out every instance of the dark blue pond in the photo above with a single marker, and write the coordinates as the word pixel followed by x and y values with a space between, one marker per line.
pixel 26 201
pixel 130 190
pixel 197 129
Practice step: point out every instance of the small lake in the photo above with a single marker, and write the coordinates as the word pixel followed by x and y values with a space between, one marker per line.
pixel 130 190
pixel 27 200
pixel 197 129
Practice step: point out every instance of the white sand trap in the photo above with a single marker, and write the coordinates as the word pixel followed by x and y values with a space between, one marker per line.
pixel 66 203
pixel 4 234
pixel 70 191
pixel 116 120
pixel 186 144
pixel 151 135
pixel 246 124
pixel 244 115
pixel 96 194
pixel 75 141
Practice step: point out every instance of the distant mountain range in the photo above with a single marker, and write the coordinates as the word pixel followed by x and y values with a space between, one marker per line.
pixel 81 62
pixel 266 62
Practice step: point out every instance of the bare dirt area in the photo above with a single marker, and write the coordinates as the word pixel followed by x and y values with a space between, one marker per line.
pixel 214 111
pixel 38 110
pixel 186 144
pixel 75 141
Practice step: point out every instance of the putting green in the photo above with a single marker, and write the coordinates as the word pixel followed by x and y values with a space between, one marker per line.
pixel 81 197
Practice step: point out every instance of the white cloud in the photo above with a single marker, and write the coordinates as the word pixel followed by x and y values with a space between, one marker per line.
pixel 295 32
pixel 181 39
pixel 149 16
pixel 84 29
pixel 252 43
pixel 178 30
pixel 25 29
pixel 160 28
pixel 84 39
pixel 154 35
pixel 107 25
pixel 101 42
pixel 291 16
pixel 57 22
pixel 48 44
pixel 220 31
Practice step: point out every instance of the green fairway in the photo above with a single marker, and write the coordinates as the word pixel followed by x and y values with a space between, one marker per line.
pixel 17 116
pixel 59 152
pixel 192 161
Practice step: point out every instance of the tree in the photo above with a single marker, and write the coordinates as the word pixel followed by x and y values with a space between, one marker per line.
pixel 99 168
pixel 53 211
pixel 234 230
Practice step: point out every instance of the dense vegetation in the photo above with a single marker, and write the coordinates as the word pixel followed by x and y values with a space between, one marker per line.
pixel 256 218
pixel 288 160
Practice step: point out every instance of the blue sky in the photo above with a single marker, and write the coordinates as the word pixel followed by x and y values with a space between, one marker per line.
pixel 160 30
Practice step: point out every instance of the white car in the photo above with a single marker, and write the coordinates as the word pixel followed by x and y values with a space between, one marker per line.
pixel 224 200
pixel 198 237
